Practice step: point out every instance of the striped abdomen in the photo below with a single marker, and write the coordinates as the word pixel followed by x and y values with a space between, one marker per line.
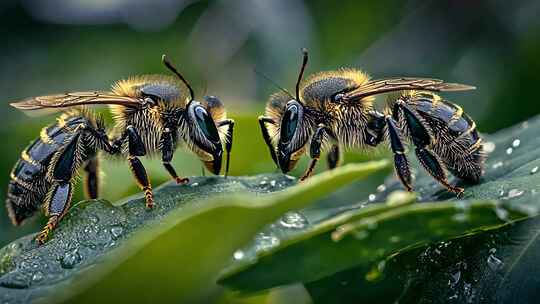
pixel 457 141
pixel 29 184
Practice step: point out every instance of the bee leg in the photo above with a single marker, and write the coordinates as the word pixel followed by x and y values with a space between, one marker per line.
pixel 91 181
pixel 229 141
pixel 421 139
pixel 314 150
pixel 333 157
pixel 63 166
pixel 167 150
pixel 401 163
pixel 56 206
pixel 136 148
pixel 262 123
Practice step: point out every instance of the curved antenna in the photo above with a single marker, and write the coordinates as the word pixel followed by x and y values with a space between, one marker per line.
pixel 170 66
pixel 259 73
pixel 301 74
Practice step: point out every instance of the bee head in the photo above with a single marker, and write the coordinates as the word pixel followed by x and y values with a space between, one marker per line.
pixel 203 136
pixel 292 136
pixel 293 128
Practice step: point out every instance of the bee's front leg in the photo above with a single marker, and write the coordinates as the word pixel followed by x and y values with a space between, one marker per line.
pixel 167 150
pixel 315 150
pixel 136 148
pixel 229 141
pixel 266 136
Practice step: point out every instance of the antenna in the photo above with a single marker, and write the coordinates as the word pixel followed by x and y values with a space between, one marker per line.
pixel 272 82
pixel 301 74
pixel 170 66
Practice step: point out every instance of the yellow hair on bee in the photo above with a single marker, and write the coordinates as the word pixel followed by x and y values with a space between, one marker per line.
pixel 357 76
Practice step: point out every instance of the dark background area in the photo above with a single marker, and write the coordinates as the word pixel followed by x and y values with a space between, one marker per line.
pixel 61 45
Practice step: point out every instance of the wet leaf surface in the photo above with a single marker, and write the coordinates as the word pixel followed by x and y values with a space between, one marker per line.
pixel 173 252
pixel 357 253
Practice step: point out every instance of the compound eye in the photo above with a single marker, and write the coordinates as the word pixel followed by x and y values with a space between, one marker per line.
pixel 338 97
pixel 206 124
pixel 289 123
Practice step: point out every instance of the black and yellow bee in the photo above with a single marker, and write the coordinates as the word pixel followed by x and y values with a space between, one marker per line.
pixel 152 115
pixel 336 109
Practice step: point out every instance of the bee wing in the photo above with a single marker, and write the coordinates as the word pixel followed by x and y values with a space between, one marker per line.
pixel 380 86
pixel 52 103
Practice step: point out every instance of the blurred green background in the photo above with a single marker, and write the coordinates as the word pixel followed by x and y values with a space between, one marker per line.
pixel 60 45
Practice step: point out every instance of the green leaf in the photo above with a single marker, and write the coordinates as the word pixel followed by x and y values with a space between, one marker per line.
pixel 172 253
pixel 360 240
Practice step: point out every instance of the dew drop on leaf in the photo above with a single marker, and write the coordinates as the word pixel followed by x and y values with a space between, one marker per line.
pixel 489 147
pixel 497 165
pixel 37 277
pixel 494 262
pixel 371 197
pixel 238 255
pixel 264 242
pixel 293 220
pixel 516 143
pixel 116 231
pixel 70 259
pixel 509 151
pixel 534 170
pixel 381 188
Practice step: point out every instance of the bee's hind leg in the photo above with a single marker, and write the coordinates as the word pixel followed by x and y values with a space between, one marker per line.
pixel 64 165
pixel 421 139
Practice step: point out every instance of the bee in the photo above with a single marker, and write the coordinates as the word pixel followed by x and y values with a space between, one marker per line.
pixel 336 109
pixel 152 114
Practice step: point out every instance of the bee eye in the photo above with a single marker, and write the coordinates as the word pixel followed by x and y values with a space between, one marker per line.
pixel 289 123
pixel 206 124
pixel 338 97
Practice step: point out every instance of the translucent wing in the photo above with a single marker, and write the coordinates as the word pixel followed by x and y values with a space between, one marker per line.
pixel 375 87
pixel 60 101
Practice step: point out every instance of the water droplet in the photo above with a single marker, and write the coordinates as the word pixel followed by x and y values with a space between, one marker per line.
pixel 94 219
pixel 534 170
pixel 272 183
pixel 501 213
pixel 494 262
pixel 263 182
pixel 38 276
pixel 516 143
pixel 489 147
pixel 500 192
pixel 238 255
pixel 497 165
pixel 70 259
pixel 492 250
pixel 194 185
pixel 454 278
pixel 460 217
pixel 381 188
pixel 509 151
pixel 371 197
pixel 293 220
pixel 514 193
pixel 116 231
pixel 264 242
pixel 394 239
pixel 360 235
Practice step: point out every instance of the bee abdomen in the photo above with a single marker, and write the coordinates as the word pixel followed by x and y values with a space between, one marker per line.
pixel 29 184
pixel 457 141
